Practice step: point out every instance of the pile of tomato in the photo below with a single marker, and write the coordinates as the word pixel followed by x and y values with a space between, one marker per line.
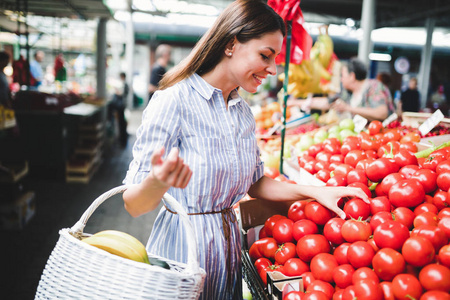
pixel 394 247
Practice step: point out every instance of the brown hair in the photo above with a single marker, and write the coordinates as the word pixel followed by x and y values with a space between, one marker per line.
pixel 243 19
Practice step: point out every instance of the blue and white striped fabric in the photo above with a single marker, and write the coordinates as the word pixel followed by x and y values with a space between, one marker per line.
pixel 219 145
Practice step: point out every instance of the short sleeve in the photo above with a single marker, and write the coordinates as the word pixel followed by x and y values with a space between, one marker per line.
pixel 160 127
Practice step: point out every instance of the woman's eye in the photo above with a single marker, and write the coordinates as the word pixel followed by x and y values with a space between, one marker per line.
pixel 264 57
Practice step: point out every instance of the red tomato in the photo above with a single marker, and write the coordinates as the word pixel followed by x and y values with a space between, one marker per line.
pixel 323 156
pixel 427 178
pixel 360 254
pixel 307 279
pixel 443 181
pixel 341 253
pixel 332 148
pixel 380 218
pixel 342 275
pixel 435 277
pixel 409 146
pixel 389 149
pixel 265 247
pixel 318 213
pixel 337 158
pixel 303 159
pixel 443 166
pixel 371 242
pixel 322 266
pixel 404 158
pixel 444 256
pixel 368 289
pixel 357 175
pixel 444 224
pixel 356 230
pixel 370 143
pixel 262 233
pixel 321 165
pixel 433 233
pixel 282 231
pixel 410 137
pixel 342 170
pixel 408 170
pixel 294 295
pixel 387 182
pixel 393 135
pixel 297 210
pixel 349 293
pixel 338 295
pixel 407 193
pixel 262 263
pixel 362 164
pixel 268 225
pixel 310 167
pixel 380 168
pixel 444 212
pixel 390 234
pixel 271 172
pixel 285 252
pixel 440 199
pixel 424 207
pixel 310 245
pixel 404 215
pixel 321 286
pixel 332 231
pixel 371 154
pixel 418 251
pixel 356 208
pixel 323 175
pixel 304 227
pixel 388 293
pixel 387 263
pixel 315 295
pixel 364 273
pixel 348 146
pixel 378 204
pixel 314 149
pixel 354 156
pixel 432 161
pixel 375 127
pixel 435 295
pixel 362 186
pixel 426 218
pixel 406 287
pixel 295 267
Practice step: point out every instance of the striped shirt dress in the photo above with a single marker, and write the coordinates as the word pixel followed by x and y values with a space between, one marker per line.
pixel 219 146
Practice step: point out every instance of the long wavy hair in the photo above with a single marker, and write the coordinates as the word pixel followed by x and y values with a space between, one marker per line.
pixel 243 19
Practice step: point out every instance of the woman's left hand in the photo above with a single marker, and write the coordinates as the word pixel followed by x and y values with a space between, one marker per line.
pixel 329 197
pixel 340 106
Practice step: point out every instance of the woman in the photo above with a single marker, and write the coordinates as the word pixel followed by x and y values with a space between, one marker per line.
pixel 210 131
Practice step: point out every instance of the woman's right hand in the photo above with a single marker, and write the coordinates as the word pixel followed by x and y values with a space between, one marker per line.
pixel 170 172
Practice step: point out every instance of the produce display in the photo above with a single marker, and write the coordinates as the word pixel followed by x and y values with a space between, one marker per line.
pixel 394 247
pixel 124 245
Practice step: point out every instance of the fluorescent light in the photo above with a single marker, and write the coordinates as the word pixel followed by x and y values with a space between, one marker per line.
pixel 380 56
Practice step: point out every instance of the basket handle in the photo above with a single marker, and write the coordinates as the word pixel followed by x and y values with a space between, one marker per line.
pixel 192 263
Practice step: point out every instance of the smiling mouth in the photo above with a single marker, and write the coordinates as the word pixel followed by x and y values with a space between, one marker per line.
pixel 259 79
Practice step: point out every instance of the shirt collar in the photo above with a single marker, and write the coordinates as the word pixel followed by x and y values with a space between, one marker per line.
pixel 206 90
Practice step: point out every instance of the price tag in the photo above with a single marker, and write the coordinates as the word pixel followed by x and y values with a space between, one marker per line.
pixel 390 119
pixel 431 122
pixel 360 122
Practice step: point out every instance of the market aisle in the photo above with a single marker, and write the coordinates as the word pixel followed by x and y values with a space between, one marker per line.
pixel 59 205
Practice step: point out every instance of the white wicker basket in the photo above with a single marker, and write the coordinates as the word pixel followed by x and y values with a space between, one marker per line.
pixel 76 270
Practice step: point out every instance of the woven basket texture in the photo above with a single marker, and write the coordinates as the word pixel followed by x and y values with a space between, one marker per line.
pixel 76 270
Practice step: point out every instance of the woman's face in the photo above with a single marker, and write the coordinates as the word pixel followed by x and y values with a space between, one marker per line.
pixel 346 78
pixel 253 61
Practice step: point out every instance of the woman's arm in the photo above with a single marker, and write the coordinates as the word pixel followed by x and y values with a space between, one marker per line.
pixel 377 113
pixel 273 190
pixel 146 196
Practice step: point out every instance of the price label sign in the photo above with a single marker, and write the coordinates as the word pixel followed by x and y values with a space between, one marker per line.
pixel 431 122
pixel 360 122
pixel 390 119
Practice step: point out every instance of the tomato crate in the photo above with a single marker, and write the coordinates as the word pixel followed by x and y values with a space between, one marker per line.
pixel 252 215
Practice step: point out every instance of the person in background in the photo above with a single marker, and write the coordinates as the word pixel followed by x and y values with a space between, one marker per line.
pixel 117 108
pixel 163 54
pixel 5 93
pixel 36 68
pixel 410 98
pixel 369 98
pixel 197 143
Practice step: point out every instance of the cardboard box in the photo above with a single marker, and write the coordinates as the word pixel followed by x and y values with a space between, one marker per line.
pixel 15 215
pixel 279 284
pixel 253 214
